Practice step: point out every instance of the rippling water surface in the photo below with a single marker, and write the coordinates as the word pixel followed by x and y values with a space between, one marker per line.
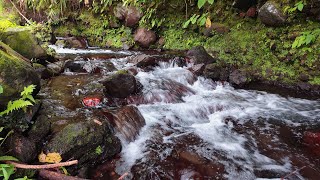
pixel 200 129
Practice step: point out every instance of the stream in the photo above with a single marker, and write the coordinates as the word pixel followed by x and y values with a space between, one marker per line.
pixel 195 128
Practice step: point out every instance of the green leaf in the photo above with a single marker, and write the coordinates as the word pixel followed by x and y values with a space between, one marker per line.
pixel 201 3
pixel 210 1
pixel 202 21
pixel 8 158
pixel 1 129
pixel 186 24
pixel 295 44
pixel 300 6
pixel 28 90
pixel 1 89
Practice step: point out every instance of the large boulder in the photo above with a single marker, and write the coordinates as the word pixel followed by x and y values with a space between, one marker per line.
pixel 22 40
pixel 129 14
pixel 199 55
pixel 121 85
pixel 15 74
pixel 145 37
pixel 88 142
pixel 271 15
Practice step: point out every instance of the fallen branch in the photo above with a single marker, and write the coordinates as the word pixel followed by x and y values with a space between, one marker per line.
pixel 44 166
pixel 56 176
pixel 283 178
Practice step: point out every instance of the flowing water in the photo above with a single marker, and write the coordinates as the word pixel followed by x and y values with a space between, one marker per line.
pixel 200 129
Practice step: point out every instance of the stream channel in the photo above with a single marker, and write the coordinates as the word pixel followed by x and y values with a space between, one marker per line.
pixel 195 128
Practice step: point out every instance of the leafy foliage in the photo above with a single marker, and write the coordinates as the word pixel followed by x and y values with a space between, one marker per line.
pixel 201 3
pixel 306 38
pixel 22 103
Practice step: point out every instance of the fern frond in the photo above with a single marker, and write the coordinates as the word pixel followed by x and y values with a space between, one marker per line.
pixel 15 105
pixel 28 90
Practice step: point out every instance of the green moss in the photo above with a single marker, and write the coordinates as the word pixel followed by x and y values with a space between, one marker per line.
pixel 122 71
pixel 315 81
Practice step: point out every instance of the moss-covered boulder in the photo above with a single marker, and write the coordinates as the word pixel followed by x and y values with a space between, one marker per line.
pixel 22 40
pixel 87 142
pixel 15 74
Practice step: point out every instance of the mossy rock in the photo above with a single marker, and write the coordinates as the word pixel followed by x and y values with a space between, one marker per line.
pixel 15 74
pixel 80 141
pixel 22 40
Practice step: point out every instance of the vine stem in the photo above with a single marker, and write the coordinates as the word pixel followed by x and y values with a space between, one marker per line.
pixel 44 166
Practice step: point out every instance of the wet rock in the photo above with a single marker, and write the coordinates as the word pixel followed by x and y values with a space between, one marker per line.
pixel 72 42
pixel 128 121
pixel 144 60
pixel 121 85
pixel 129 14
pixel 74 66
pixel 15 74
pixel 179 61
pixel 312 141
pixel 54 69
pixel 145 37
pixel 24 42
pixel 20 120
pixel 271 15
pixel 216 27
pixel 216 72
pixel 40 128
pixel 199 55
pixel 80 141
pixel 41 70
pixel 21 147
pixel 238 78
pixel 197 69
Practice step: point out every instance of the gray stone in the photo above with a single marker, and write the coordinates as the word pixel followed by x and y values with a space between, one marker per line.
pixel 271 15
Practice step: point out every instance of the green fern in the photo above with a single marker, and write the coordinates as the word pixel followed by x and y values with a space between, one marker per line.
pixel 22 103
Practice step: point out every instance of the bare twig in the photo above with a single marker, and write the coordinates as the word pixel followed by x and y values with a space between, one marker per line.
pixel 283 178
pixel 44 166
pixel 28 21
pixel 123 176
pixel 56 176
